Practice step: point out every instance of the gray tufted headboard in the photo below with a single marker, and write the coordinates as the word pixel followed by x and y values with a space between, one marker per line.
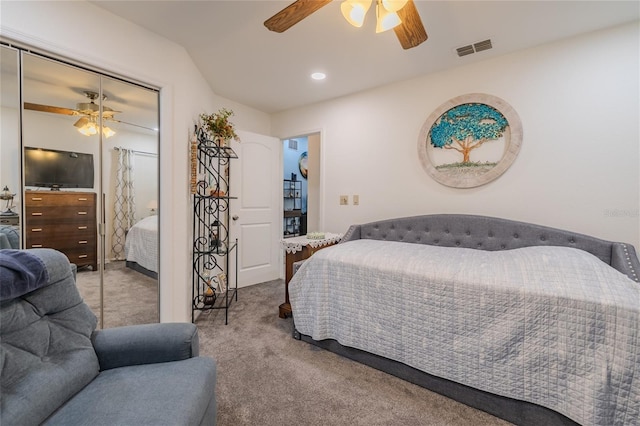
pixel 490 233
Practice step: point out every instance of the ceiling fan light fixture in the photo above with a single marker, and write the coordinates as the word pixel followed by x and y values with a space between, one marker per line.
pixel 89 129
pixel 354 11
pixel 401 15
pixel 82 121
pixel 86 126
pixel 394 5
pixel 385 20
pixel 107 132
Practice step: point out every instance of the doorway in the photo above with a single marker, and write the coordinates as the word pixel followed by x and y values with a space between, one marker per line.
pixel 301 185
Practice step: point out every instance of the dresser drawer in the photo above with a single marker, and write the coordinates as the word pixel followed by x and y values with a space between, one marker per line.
pixel 62 245
pixel 81 259
pixel 68 229
pixel 60 240
pixel 59 199
pixel 60 214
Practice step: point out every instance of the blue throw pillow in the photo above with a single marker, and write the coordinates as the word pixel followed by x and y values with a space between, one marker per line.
pixel 20 273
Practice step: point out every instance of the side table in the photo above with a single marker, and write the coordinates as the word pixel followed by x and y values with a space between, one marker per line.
pixel 300 248
pixel 10 219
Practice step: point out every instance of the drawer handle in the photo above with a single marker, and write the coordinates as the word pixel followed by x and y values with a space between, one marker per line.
pixel 82 212
pixel 36 230
pixel 36 214
pixel 82 227
pixel 82 199
pixel 82 242
pixel 82 256
pixel 36 245
pixel 36 198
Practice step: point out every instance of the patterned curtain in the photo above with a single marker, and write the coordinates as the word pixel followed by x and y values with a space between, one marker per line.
pixel 124 204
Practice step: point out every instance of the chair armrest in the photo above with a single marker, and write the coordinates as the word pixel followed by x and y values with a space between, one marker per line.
pixel 145 344
pixel 4 242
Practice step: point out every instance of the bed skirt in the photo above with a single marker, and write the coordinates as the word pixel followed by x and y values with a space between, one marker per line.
pixel 512 410
pixel 136 267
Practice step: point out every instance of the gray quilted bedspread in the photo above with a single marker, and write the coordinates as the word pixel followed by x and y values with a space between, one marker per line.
pixel 554 326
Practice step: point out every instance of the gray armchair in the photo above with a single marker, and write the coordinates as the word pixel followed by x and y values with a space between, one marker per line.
pixel 9 237
pixel 56 369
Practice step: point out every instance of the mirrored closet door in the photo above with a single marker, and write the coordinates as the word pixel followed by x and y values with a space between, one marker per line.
pixel 90 183
pixel 10 182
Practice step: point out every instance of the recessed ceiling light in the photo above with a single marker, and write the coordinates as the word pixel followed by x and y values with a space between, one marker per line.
pixel 318 76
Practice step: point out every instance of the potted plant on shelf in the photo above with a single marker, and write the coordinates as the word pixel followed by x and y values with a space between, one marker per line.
pixel 219 126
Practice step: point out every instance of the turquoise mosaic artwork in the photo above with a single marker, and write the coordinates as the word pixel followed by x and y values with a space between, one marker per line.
pixel 467 127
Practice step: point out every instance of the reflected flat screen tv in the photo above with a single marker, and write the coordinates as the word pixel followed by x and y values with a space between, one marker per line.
pixel 57 169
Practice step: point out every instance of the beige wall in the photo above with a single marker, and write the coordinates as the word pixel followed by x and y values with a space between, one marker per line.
pixel 578 168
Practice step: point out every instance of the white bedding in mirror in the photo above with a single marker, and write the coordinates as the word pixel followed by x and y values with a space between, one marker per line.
pixel 141 245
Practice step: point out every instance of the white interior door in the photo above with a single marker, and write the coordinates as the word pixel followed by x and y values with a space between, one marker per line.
pixel 256 182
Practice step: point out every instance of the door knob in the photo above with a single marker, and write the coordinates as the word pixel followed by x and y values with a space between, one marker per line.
pixel 235 217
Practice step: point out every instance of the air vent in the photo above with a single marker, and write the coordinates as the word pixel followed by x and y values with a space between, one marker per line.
pixel 465 50
pixel 475 47
pixel 482 45
pixel 293 144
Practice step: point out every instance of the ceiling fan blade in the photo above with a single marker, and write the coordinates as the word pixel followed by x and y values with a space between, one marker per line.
pixel 49 108
pixel 131 124
pixel 411 32
pixel 292 14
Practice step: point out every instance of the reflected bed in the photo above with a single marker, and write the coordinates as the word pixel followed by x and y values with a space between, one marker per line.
pixel 141 247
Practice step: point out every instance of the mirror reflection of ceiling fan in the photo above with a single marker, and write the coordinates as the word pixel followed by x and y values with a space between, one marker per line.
pixel 87 124
pixel 401 15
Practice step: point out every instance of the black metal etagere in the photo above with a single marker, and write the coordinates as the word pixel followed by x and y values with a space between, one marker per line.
pixel 212 284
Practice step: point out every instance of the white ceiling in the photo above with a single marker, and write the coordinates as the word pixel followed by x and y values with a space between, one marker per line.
pixel 245 62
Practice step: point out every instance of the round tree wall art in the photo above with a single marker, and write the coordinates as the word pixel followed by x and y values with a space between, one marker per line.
pixel 470 140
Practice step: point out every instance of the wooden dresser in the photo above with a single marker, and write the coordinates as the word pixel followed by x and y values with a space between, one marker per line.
pixel 65 221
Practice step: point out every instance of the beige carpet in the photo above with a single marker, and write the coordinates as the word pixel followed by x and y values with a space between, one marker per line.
pixel 265 377
pixel 129 296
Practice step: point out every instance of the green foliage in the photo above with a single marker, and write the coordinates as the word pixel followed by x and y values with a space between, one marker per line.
pixel 475 122
pixel 218 124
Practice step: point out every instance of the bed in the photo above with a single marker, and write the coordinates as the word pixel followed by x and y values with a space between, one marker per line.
pixel 532 324
pixel 141 246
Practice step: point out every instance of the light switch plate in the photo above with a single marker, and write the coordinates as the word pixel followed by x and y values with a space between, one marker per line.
pixel 344 200
pixel 356 200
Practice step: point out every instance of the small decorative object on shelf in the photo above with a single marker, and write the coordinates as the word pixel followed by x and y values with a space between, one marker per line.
pixel 216 192
pixel 209 291
pixel 211 208
pixel 219 127
pixel 222 283
pixel 194 162
pixel 7 196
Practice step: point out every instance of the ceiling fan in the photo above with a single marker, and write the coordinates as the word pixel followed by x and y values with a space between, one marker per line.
pixel 87 124
pixel 401 15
